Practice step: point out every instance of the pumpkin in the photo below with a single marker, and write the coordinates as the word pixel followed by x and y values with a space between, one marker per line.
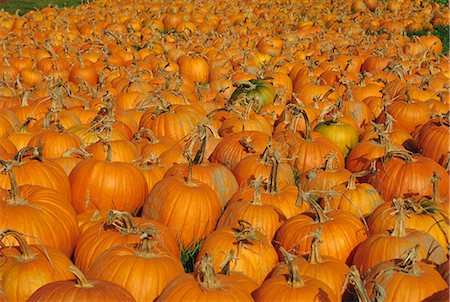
pixel 25 268
pixel 293 286
pixel 421 279
pixel 26 208
pixel 257 92
pixel 141 268
pixel 82 288
pixel 108 193
pixel 186 205
pixel 329 270
pixel 30 168
pixel 234 147
pixel 204 285
pixel 342 134
pixel 265 217
pixel 391 245
pixel 400 174
pixel 422 213
pixel 255 255
pixel 293 234
pixel 358 198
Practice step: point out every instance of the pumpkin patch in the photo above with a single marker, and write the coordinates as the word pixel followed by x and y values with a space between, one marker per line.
pixel 207 150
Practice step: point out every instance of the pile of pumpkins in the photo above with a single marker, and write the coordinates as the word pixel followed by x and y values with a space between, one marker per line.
pixel 224 151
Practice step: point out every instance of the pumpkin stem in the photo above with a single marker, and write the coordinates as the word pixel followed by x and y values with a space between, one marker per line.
pixel 314 256
pixel 256 184
pixel 435 198
pixel 294 279
pixel 330 159
pixel 399 227
pixel 149 134
pixel 77 151
pixel 203 137
pixel 26 123
pixel 307 135
pixel 82 282
pixel 354 278
pixel 410 263
pixel 147 242
pixel 246 233
pixel 246 142
pixel 121 221
pixel 273 178
pixel 204 273
pixel 310 199
pixel 225 266
pixel 7 168
pixel 351 184
pixel 107 145
pixel 31 152
pixel 25 250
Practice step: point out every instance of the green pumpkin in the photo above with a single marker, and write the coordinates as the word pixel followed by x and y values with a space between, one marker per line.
pixel 258 91
pixel 342 134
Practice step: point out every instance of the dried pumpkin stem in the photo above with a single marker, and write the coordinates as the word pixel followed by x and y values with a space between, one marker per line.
pixel 225 266
pixel 294 279
pixel 147 242
pixel 314 256
pixel 82 282
pixel 399 227
pixel 353 277
pixel 205 274
pixel 25 249
pixel 122 221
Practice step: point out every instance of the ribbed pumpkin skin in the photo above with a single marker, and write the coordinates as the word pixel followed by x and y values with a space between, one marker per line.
pixel 55 143
pixel 255 259
pixel 382 246
pixel 340 234
pixel 360 201
pixel 277 289
pixel 284 199
pixel 191 209
pixel 46 173
pixel 67 291
pixel 230 150
pixel 398 177
pixel 21 278
pixel 143 276
pixel 45 215
pixel 382 219
pixel 179 121
pixel 98 238
pixel 253 166
pixel 186 288
pixel 122 151
pixel 311 154
pixel 404 287
pixel 433 139
pixel 330 271
pixel 215 175
pixel 262 216
pixel 106 185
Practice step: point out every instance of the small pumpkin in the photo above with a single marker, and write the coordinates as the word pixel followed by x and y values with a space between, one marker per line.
pixel 257 91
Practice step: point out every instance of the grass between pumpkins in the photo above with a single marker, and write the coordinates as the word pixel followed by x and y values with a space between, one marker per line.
pixel 23 6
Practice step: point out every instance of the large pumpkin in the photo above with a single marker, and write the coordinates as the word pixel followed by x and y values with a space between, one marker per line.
pixel 100 184
pixel 81 289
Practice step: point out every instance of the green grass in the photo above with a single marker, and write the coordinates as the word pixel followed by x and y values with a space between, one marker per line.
pixel 23 6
